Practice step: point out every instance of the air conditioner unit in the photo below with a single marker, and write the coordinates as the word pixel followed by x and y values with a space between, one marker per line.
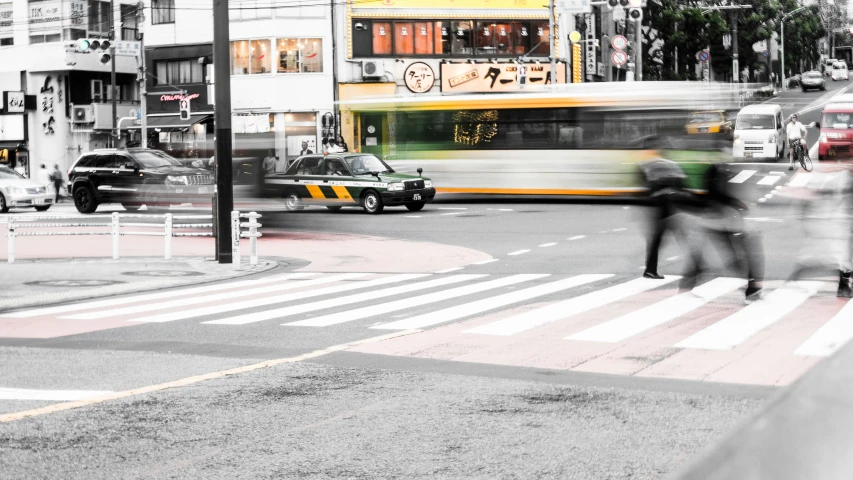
pixel 83 114
pixel 97 90
pixel 372 69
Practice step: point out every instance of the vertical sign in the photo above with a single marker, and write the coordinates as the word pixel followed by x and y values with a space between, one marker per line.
pixel 589 36
pixel 577 67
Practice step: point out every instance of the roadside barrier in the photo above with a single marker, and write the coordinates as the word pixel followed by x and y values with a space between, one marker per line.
pixel 114 226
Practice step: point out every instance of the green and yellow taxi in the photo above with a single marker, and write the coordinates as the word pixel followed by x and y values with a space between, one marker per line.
pixel 348 180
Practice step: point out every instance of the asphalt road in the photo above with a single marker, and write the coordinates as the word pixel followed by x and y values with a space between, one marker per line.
pixel 438 402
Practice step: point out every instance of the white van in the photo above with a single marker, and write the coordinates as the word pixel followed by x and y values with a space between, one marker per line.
pixel 839 71
pixel 759 133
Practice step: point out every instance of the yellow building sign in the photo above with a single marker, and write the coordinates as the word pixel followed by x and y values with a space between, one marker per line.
pixel 448 4
pixel 494 77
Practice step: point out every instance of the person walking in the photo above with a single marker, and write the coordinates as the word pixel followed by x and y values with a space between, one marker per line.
pixel 57 181
pixel 45 177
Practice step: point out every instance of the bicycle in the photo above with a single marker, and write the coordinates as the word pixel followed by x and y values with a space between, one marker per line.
pixel 802 156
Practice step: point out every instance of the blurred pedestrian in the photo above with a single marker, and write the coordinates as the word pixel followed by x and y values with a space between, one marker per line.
pixel 342 143
pixel 57 181
pixel 721 221
pixel 45 177
pixel 269 162
pixel 334 147
pixel 668 195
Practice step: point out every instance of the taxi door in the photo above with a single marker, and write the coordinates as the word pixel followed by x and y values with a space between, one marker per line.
pixel 308 179
pixel 337 183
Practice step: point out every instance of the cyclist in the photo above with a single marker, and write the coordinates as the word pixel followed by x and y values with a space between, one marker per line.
pixel 795 132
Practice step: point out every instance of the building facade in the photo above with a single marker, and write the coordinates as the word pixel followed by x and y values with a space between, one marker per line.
pixel 57 102
pixel 281 76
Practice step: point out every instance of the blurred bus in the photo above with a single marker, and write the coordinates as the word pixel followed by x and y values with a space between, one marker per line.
pixel 562 140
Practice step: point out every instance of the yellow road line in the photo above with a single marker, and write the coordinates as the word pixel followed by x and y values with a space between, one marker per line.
pixel 59 407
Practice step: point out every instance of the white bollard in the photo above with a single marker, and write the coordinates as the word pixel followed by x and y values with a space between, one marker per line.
pixel 116 234
pixel 10 233
pixel 235 239
pixel 253 240
pixel 167 234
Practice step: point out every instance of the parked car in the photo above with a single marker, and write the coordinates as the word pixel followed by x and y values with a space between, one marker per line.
pixel 16 191
pixel 135 177
pixel 813 80
pixel 347 180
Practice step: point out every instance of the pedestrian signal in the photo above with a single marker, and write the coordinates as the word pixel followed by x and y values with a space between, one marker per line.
pixel 635 14
pixel 94 45
pixel 185 109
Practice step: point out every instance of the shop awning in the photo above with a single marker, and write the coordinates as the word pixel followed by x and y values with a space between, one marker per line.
pixel 174 121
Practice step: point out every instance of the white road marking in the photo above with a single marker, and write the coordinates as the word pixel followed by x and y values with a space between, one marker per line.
pixel 486 304
pixel 576 237
pixel 339 301
pixel 546 245
pixel 504 209
pixel 742 176
pixel 483 262
pixel 413 216
pixel 260 302
pixel 518 252
pixel 36 312
pixel 351 315
pixel 567 308
pixel 800 180
pixel 777 173
pixel 764 219
pixel 620 229
pixel 453 213
pixel 185 302
pixel 659 313
pixel 48 395
pixel 769 180
pixel 452 208
pixel 448 270
pixel 831 336
pixel 746 322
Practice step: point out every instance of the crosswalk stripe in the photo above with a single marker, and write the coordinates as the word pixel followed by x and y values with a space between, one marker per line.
pixel 658 313
pixel 336 302
pixel 567 308
pixel 260 302
pixel 742 176
pixel 831 336
pixel 769 180
pixel 186 302
pixel 374 310
pixel 37 312
pixel 800 180
pixel 486 304
pixel 746 322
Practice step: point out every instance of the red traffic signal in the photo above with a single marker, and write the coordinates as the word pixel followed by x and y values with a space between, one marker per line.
pixel 185 109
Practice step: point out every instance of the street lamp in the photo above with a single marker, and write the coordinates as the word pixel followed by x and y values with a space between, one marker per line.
pixel 784 17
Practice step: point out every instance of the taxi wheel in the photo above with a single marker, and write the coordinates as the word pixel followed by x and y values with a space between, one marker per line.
pixel 3 207
pixel 372 202
pixel 333 208
pixel 416 206
pixel 293 203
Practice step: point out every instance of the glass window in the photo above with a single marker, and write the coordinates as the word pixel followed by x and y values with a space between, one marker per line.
pixel 9 174
pixel 162 11
pixel 443 37
pixel 5 42
pixel 520 38
pixel 403 39
pixel 335 166
pixel 239 57
pixel 746 121
pixel 154 159
pixel 309 166
pixel 423 38
pixel 485 38
pixel 365 164
pixel 461 43
pixel 178 72
pixel 99 15
pixel 259 51
pixel 541 36
pixel 503 39
pixel 311 55
pixel 382 38
pixel 288 55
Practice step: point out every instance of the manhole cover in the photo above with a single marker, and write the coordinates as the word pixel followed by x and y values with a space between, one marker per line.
pixel 164 273
pixel 73 283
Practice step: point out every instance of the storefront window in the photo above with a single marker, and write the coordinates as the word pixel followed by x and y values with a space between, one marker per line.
pixel 423 38
pixel 485 38
pixel 461 44
pixel 382 38
pixel 260 56
pixel 442 37
pixel 541 34
pixel 403 39
pixel 288 55
pixel 311 55
pixel 240 57
pixel 520 38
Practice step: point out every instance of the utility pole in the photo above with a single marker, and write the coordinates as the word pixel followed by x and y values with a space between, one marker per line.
pixel 143 88
pixel 553 75
pixel 336 111
pixel 735 60
pixel 782 50
pixel 222 122
pixel 638 50
pixel 115 134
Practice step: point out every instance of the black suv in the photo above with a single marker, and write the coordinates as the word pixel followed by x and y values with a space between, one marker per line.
pixel 135 177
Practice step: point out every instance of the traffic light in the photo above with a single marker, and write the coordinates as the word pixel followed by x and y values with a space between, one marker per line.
pixel 94 45
pixel 635 14
pixel 617 3
pixel 185 109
